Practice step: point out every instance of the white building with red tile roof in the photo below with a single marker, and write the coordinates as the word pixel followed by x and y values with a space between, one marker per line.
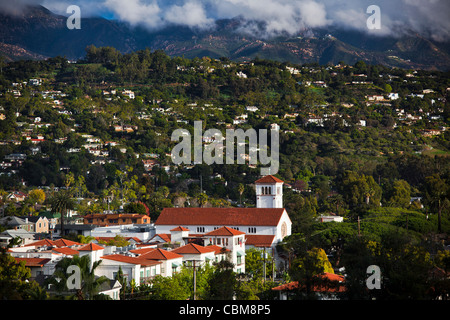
pixel 269 192
pixel 171 262
pixel 264 226
pixel 134 268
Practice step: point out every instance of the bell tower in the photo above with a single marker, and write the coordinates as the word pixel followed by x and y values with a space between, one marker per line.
pixel 269 192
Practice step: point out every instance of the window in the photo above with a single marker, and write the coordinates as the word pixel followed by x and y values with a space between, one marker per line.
pixel 200 229
pixel 251 230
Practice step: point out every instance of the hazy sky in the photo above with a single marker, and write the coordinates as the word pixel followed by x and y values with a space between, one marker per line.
pixel 429 17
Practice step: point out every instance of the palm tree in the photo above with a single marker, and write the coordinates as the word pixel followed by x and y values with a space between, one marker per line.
pixel 202 199
pixel 369 193
pixel 62 202
pixel 240 189
pixel 90 284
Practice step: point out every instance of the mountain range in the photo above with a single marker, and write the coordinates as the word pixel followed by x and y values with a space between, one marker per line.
pixel 38 33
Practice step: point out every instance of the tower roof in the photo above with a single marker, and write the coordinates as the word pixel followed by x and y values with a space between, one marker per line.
pixel 269 179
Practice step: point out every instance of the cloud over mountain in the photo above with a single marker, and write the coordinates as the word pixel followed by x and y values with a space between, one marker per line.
pixel 266 17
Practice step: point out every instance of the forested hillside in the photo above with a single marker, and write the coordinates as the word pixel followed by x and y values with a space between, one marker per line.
pixel 365 142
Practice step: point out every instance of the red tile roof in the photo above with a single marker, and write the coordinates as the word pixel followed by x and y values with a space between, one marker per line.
pixel 66 251
pixel 332 283
pixel 142 251
pixel 259 240
pixel 164 236
pixel 180 228
pixel 218 249
pixel 41 243
pixel 160 254
pixel 132 260
pixel 224 231
pixel 33 262
pixel 66 243
pixel 192 248
pixel 56 243
pixel 269 179
pixel 220 216
pixel 91 247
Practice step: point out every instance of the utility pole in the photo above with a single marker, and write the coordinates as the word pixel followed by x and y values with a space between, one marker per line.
pixel 194 267
pixel 195 282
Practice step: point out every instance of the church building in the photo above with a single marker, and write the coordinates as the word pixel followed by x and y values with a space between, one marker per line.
pixel 263 227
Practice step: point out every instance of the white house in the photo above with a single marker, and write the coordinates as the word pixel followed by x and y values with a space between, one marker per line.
pixel 171 262
pixel 201 254
pixel 94 251
pixel 232 240
pixel 134 268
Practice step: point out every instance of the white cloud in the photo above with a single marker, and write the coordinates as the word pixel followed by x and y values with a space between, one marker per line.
pixel 136 11
pixel 191 14
pixel 267 16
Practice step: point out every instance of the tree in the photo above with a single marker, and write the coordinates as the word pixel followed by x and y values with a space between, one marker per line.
pixel 359 189
pixel 62 202
pixel 305 269
pixel 36 196
pixel 202 199
pixel 254 263
pixel 400 194
pixel 222 283
pixel 436 195
pixel 15 281
pixel 241 191
pixel 168 288
pixel 90 283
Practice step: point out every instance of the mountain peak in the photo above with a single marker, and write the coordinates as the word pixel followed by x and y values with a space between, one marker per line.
pixel 40 32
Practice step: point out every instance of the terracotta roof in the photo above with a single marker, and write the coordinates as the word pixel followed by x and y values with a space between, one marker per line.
pixel 224 231
pixel 192 248
pixel 66 243
pixel 259 240
pixel 218 249
pixel 91 247
pixel 332 283
pixel 220 216
pixel 41 243
pixel 164 236
pixel 160 254
pixel 66 251
pixel 142 251
pixel 132 260
pixel 269 179
pixel 180 228
pixel 33 262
